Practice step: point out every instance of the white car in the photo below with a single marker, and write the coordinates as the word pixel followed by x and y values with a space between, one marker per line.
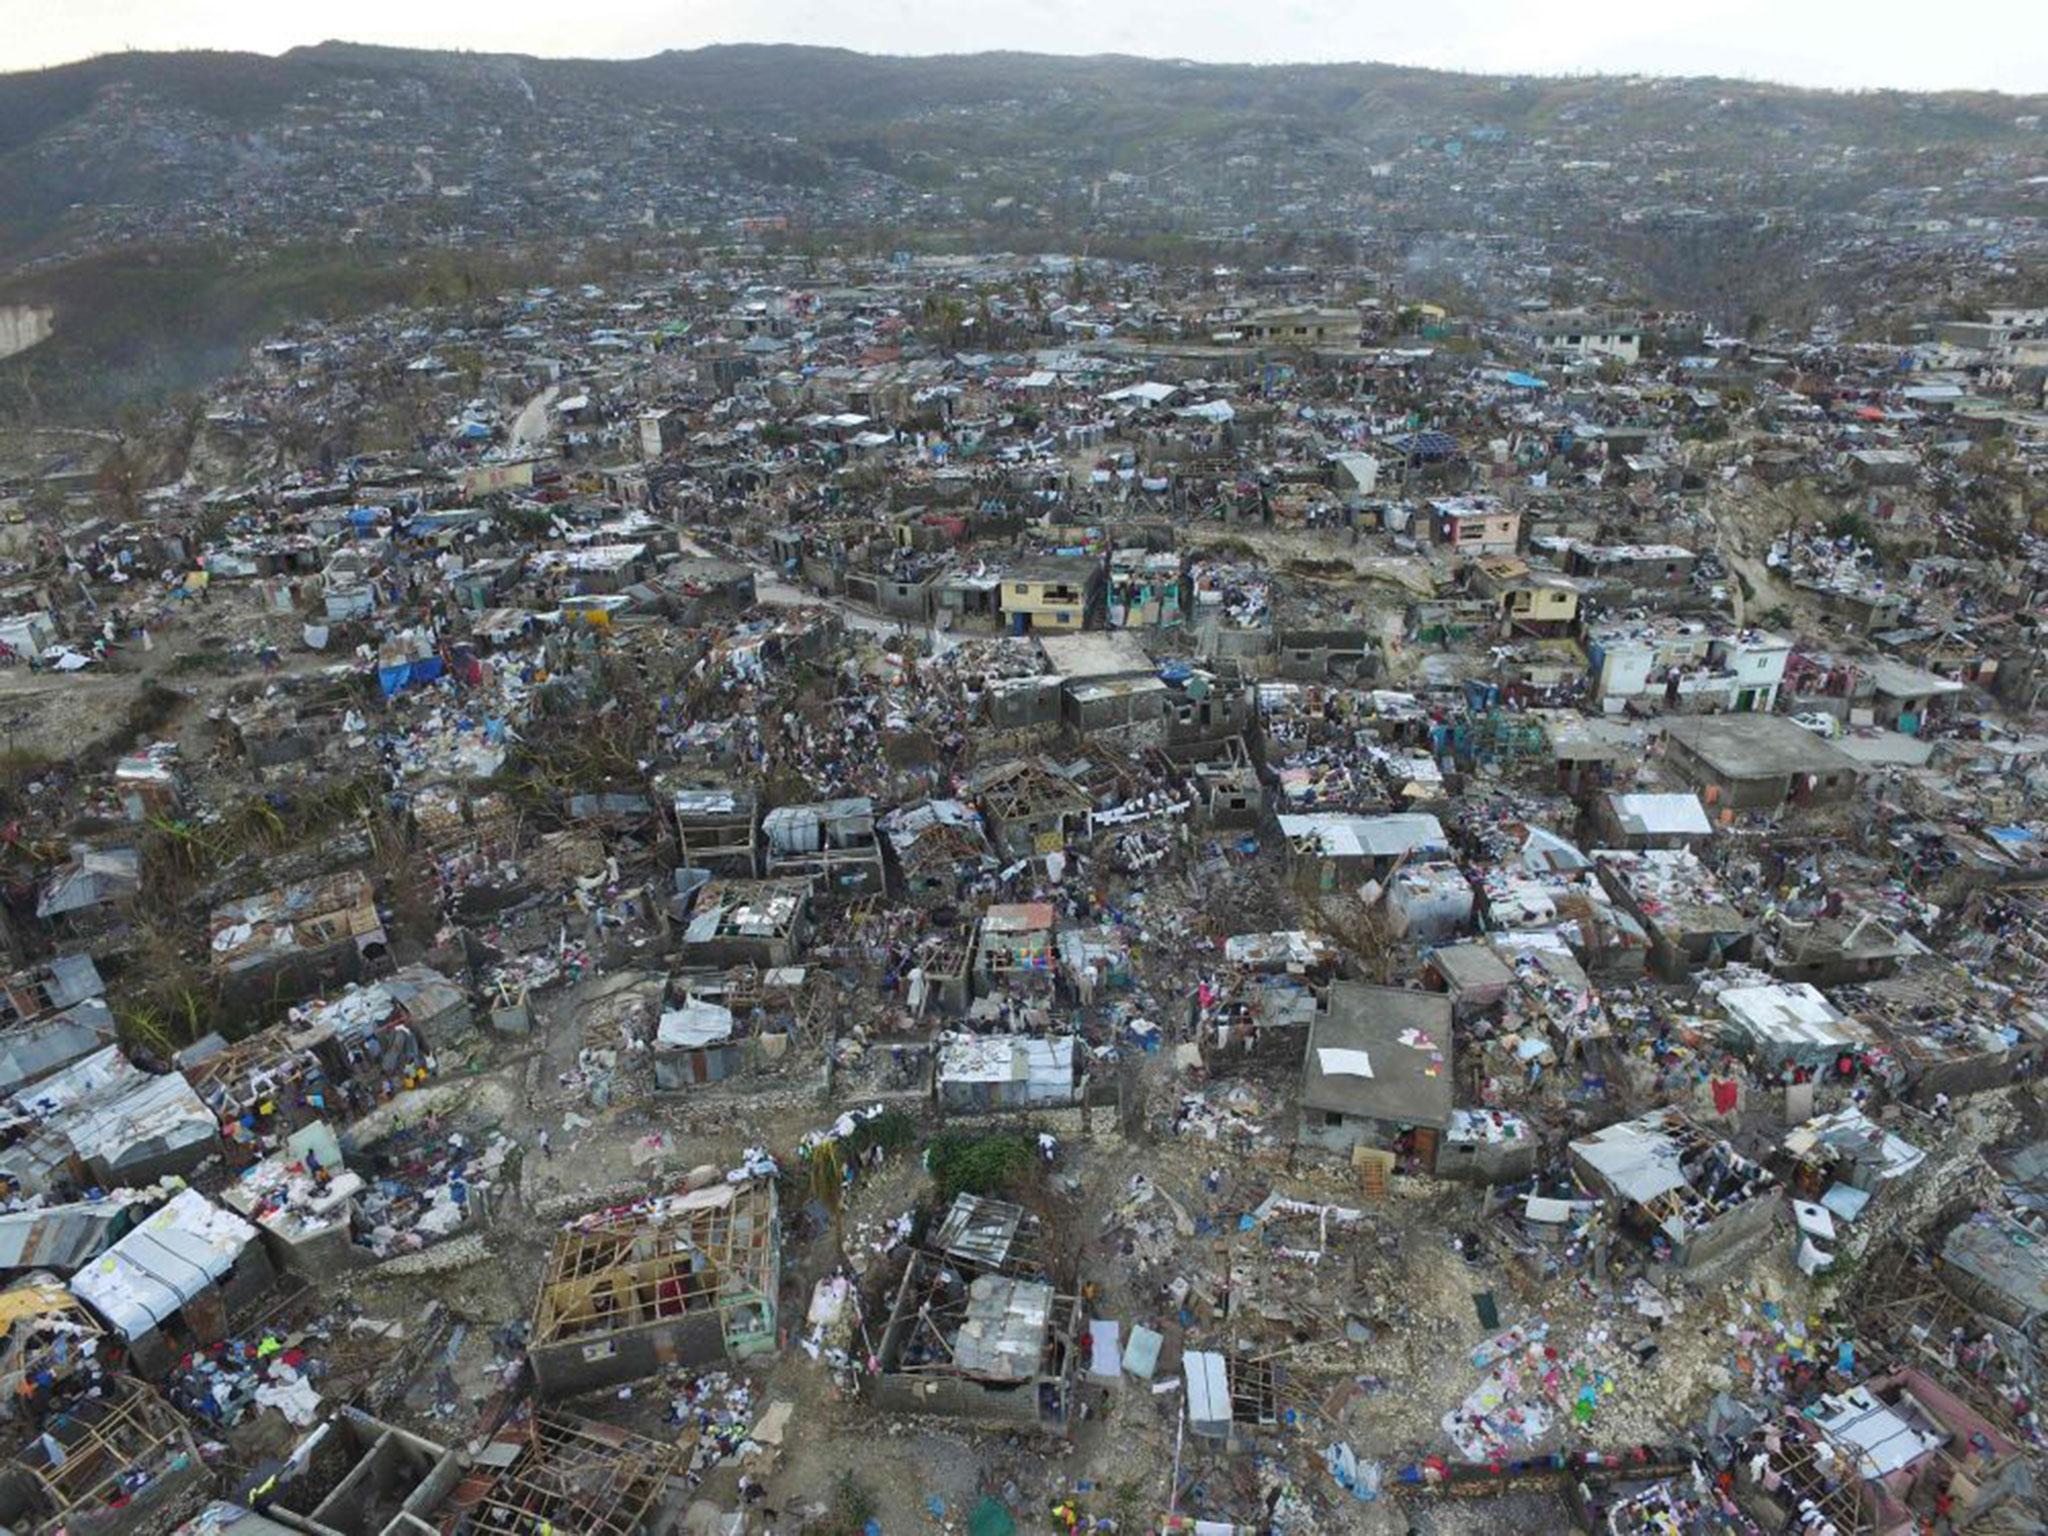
pixel 1818 723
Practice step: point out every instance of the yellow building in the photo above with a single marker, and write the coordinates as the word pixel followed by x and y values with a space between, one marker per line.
pixel 1061 594
pixel 1530 601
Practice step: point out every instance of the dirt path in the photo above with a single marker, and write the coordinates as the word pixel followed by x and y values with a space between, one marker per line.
pixel 530 426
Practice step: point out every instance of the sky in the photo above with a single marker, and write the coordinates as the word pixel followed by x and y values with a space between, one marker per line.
pixel 1844 44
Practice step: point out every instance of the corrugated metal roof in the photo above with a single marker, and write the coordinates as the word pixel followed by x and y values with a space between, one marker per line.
pixel 59 1238
pixel 164 1263
pixel 149 1117
pixel 1003 1336
pixel 49 1043
pixel 978 1231
pixel 693 1025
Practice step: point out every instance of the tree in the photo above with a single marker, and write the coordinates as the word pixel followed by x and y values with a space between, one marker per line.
pixel 122 478
pixel 945 317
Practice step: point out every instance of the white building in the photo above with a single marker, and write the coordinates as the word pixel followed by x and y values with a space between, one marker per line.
pixel 1568 335
pixel 1683 665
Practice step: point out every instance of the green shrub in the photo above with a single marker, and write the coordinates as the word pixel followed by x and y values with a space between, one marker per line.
pixel 964 1164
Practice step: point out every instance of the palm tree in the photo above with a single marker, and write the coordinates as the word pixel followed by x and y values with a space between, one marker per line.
pixel 828 1185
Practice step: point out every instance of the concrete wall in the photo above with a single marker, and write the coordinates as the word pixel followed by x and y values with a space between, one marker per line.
pixel 164 1503
pixel 911 600
pixel 1316 660
pixel 1487 1162
pixel 328 1255
pixel 23 326
pixel 1733 1232
pixel 954 1397
pixel 1835 970
pixel 1349 1132
pixel 1968 1074
pixel 394 1467
pixel 741 949
pixel 587 1365
pixel 1220 643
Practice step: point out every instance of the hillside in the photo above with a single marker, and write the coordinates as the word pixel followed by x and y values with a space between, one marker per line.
pixel 144 193
pixel 236 144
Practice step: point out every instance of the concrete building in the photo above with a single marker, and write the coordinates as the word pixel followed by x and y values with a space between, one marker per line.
pixel 1062 594
pixel 1758 762
pixel 1684 666
pixel 748 922
pixel 1638 821
pixel 1690 920
pixel 1469 526
pixel 1574 335
pixel 833 842
pixel 1904 698
pixel 1487 1146
pixel 1027 809
pixel 355 1475
pixel 1304 328
pixel 1147 589
pixel 1527 601
pixel 716 828
pixel 1377 1072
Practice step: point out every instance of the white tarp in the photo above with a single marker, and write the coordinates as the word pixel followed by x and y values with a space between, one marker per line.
pixel 1341 1061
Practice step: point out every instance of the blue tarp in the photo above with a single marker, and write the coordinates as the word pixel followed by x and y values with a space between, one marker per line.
pixel 1522 380
pixel 405 674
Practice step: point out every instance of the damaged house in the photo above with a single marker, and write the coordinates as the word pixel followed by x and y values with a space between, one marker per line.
pixel 683 1279
pixel 978 1331
pixel 180 1280
pixel 104 1122
pixel 121 1461
pixel 979 1074
pixel 715 829
pixel 299 939
pixel 833 842
pixel 1679 1188
pixel 1029 810
pixel 937 847
pixel 354 1475
pixel 1342 849
pixel 764 923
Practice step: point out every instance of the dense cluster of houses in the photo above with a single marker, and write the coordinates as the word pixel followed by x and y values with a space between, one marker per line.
pixel 1579 767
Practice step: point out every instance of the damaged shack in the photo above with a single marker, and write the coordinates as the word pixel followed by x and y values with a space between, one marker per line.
pixel 682 1279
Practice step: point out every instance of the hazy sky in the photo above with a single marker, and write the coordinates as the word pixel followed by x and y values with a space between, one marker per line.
pixel 1996 44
